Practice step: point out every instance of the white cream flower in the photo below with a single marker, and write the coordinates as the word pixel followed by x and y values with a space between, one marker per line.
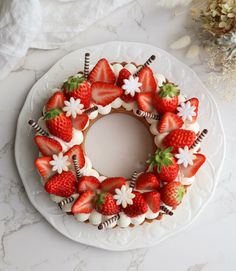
pixel 124 196
pixel 186 111
pixel 73 107
pixel 131 85
pixel 185 156
pixel 59 163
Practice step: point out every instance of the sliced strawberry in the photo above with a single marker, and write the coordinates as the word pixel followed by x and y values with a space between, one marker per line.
pixel 102 72
pixel 144 101
pixel 194 102
pixel 80 121
pixel 153 200
pixel 147 79
pixel 147 181
pixel 43 166
pixel 123 74
pixel 47 146
pixel 84 204
pixel 78 151
pixel 169 122
pixel 190 171
pixel 110 184
pixel 127 98
pixel 103 93
pixel 56 101
pixel 88 183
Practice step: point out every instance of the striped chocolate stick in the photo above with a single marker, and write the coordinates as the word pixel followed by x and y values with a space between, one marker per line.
pixel 147 63
pixel 38 129
pixel 166 210
pixel 144 114
pixel 91 110
pixel 77 168
pixel 199 138
pixel 86 65
pixel 133 180
pixel 66 201
pixel 108 222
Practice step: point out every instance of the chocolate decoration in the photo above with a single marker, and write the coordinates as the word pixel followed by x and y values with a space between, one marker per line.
pixel 199 138
pixel 38 129
pixel 144 114
pixel 91 110
pixel 108 222
pixel 133 180
pixel 86 65
pixel 147 63
pixel 77 168
pixel 65 201
pixel 166 210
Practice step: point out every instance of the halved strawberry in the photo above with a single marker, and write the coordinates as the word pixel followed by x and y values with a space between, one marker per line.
pixel 169 122
pixel 56 101
pixel 190 171
pixel 144 101
pixel 104 93
pixel 80 121
pixel 47 146
pixel 78 151
pixel 123 74
pixel 102 72
pixel 147 79
pixel 110 184
pixel 88 183
pixel 147 181
pixel 84 204
pixel 153 200
pixel 194 102
pixel 43 166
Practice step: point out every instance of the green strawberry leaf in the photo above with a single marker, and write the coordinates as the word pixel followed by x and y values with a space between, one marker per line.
pixel 169 90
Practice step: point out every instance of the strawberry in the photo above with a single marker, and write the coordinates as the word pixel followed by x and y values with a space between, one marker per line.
pixel 147 79
pixel 166 100
pixel 104 93
pixel 110 184
pixel 84 204
pixel 106 205
pixel 102 72
pixel 153 200
pixel 147 181
pixel 47 146
pixel 138 207
pixel 164 165
pixel 124 74
pixel 80 121
pixel 194 102
pixel 76 149
pixel 59 124
pixel 78 88
pixel 169 122
pixel 62 185
pixel 88 183
pixel 190 171
pixel 179 139
pixel 43 166
pixel 144 101
pixel 172 194
pixel 56 101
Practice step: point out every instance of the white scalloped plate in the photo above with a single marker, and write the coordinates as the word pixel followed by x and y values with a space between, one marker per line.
pixel 147 234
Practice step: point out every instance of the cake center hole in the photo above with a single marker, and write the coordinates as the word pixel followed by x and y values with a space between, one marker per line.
pixel 118 144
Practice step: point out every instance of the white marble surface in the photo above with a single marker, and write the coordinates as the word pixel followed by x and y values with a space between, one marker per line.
pixel 27 240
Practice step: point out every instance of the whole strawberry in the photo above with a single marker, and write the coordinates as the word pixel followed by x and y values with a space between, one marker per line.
pixel 78 88
pixel 172 194
pixel 59 124
pixel 139 206
pixel 166 100
pixel 164 165
pixel 106 205
pixel 179 139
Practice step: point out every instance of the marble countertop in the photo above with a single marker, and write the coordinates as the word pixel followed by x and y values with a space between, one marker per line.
pixel 28 242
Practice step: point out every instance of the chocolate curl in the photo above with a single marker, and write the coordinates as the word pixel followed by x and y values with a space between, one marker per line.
pixel 133 180
pixel 166 210
pixel 91 110
pixel 66 201
pixel 199 138
pixel 77 168
pixel 38 128
pixel 108 222
pixel 86 65
pixel 147 63
pixel 144 114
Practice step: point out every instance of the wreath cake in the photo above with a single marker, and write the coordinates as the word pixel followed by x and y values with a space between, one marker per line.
pixel 67 173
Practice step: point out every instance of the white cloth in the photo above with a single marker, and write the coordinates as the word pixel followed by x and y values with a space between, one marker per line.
pixel 45 24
